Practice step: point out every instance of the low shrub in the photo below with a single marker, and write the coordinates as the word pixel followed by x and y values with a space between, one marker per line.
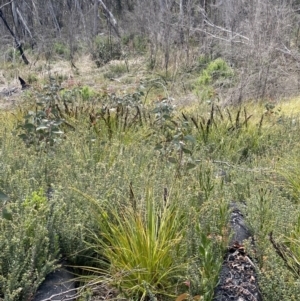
pixel 217 74
pixel 29 247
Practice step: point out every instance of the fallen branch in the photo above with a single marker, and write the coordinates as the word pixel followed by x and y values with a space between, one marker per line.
pixel 65 297
pixel 77 293
pixel 234 34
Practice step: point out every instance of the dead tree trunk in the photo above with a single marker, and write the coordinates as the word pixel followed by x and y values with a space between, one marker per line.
pixel 110 18
pixel 18 45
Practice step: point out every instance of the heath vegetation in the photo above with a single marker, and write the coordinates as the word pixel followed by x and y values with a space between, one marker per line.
pixel 141 123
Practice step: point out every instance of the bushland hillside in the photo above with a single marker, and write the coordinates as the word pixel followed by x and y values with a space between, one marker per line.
pixel 127 131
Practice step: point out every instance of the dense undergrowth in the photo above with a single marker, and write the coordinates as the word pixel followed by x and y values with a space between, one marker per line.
pixel 137 195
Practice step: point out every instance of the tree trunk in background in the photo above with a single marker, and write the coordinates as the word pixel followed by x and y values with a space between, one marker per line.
pixel 17 42
pixel 110 18
pixel 96 18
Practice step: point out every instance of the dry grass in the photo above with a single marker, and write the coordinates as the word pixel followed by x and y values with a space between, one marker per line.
pixel 177 84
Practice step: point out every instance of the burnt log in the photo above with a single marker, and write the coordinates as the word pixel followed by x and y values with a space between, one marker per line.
pixel 23 83
pixel 238 278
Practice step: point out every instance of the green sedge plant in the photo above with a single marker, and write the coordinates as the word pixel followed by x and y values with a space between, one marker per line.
pixel 142 246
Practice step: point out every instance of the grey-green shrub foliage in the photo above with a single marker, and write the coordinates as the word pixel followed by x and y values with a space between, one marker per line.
pixel 34 235
pixel 28 246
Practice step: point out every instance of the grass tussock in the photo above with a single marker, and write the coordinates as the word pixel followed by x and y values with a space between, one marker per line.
pixel 143 247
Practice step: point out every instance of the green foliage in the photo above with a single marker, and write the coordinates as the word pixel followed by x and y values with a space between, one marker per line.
pixel 207 238
pixel 209 265
pixel 140 44
pixel 116 70
pixel 29 248
pixel 132 157
pixel 86 93
pixel 229 134
pixel 10 55
pixel 278 288
pixel 119 117
pixel 216 74
pixel 75 97
pixel 41 129
pixel 44 124
pixel 142 246
pixel 32 78
pixel 105 50
pixel 136 43
pixel 61 49
pixel 207 235
pixel 218 69
pixel 289 169
pixel 294 239
pixel 289 250
pixel 175 141
pixel 203 61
